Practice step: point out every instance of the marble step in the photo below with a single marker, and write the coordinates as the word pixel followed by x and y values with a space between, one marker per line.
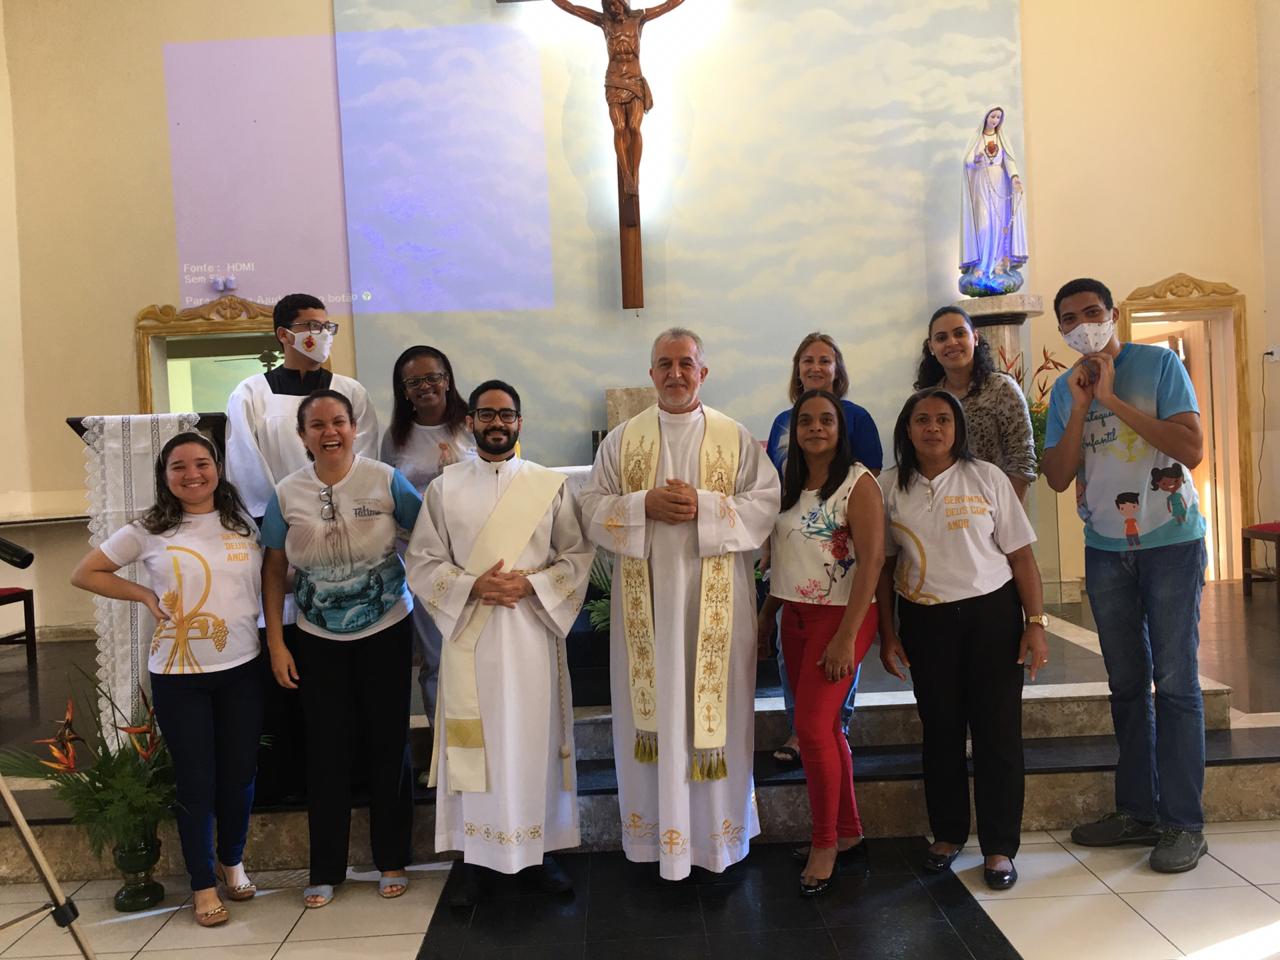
pixel 1068 780
pixel 1048 710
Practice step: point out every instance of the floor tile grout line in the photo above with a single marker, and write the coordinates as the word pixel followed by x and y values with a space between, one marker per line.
pixel 1164 935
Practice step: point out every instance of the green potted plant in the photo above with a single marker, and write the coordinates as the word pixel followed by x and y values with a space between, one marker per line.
pixel 119 785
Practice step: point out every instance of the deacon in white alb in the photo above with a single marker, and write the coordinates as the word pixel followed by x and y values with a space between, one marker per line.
pixel 499 559
pixel 682 495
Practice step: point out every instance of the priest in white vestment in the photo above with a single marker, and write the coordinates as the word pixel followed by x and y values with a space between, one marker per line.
pixel 682 496
pixel 500 560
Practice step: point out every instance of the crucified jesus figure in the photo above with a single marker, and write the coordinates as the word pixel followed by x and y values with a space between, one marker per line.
pixel 625 89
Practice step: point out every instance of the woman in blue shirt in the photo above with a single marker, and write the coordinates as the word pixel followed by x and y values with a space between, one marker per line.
pixel 817 365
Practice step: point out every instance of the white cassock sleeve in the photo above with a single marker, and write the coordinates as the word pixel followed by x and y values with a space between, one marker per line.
pixel 612 519
pixel 741 522
pixel 561 587
pixel 366 444
pixel 245 465
pixel 433 577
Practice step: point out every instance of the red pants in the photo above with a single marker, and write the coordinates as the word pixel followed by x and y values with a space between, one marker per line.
pixel 807 628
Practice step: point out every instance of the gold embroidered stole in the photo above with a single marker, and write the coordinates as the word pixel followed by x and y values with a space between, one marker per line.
pixel 504 537
pixel 718 470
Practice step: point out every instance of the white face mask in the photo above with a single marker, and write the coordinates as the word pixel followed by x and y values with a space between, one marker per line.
pixel 313 346
pixel 1090 337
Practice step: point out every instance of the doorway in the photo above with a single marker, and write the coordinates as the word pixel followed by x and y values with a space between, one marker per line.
pixel 1203 323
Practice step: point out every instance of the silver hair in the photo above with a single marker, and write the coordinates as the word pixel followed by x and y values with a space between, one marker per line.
pixel 677 333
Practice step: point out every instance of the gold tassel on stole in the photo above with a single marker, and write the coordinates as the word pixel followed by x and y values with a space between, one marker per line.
pixel 646 750
pixel 708 765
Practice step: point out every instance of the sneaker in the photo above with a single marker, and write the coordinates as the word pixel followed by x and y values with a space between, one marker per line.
pixel 1113 830
pixel 1178 851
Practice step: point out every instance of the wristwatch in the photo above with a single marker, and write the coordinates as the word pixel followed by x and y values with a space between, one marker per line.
pixel 1040 618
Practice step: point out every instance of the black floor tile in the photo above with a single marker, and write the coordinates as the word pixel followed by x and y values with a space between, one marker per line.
pixel 774 945
pixel 546 951
pixel 522 921
pixel 743 908
pixel 663 948
pixel 646 912
pixel 934 939
pixel 753 910
pixel 861 901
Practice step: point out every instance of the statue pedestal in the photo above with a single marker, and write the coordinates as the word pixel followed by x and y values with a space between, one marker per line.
pixel 1001 320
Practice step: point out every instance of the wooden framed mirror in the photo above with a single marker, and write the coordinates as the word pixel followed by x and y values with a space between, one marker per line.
pixel 191 359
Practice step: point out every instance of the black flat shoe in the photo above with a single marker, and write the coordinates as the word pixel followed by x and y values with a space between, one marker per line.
pixel 817 888
pixel 464 890
pixel 940 862
pixel 551 878
pixel 1001 879
pixel 844 858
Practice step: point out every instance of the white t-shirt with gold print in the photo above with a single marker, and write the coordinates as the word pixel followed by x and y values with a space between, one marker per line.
pixel 209 579
pixel 952 534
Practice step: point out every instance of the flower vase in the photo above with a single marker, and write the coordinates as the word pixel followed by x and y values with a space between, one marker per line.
pixel 135 860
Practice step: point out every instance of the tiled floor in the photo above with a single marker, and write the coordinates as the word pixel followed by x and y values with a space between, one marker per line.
pixel 1073 901
pixel 621 910
pixel 274 924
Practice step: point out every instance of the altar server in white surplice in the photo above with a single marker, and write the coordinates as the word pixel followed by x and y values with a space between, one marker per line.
pixel 500 560
pixel 682 495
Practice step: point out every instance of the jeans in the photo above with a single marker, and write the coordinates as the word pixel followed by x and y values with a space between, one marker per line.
pixel 1147 607
pixel 426 643
pixel 789 698
pixel 211 723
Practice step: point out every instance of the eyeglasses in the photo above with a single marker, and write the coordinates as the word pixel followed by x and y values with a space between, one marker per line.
pixel 412 383
pixel 326 504
pixel 486 414
pixel 315 326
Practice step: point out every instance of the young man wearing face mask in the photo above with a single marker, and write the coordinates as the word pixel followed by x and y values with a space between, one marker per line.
pixel 263 447
pixel 1121 412
pixel 262 436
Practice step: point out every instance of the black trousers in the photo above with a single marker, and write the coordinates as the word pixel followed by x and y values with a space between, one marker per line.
pixel 965 673
pixel 282 756
pixel 355 698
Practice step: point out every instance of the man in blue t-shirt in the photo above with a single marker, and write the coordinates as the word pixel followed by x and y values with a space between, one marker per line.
pixel 1124 425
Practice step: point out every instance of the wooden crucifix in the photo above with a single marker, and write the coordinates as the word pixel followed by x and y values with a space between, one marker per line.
pixel 626 92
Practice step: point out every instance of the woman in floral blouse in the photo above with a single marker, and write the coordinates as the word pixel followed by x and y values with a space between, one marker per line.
pixel 957 359
pixel 827 548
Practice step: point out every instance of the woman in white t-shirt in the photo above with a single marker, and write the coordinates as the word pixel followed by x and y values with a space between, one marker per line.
pixel 827 547
pixel 960 566
pixel 428 432
pixel 335 522
pixel 201 554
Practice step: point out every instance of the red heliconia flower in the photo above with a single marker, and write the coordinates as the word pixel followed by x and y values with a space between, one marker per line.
pixel 151 745
pixel 62 744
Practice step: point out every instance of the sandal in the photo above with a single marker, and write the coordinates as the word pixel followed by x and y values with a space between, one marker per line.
pixel 242 891
pixel 322 891
pixel 212 918
pixel 386 883
pixel 787 756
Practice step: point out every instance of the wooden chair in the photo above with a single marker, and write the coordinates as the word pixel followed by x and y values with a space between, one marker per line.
pixel 1267 533
pixel 28 634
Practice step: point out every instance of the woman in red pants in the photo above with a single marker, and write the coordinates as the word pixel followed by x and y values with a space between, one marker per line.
pixel 827 547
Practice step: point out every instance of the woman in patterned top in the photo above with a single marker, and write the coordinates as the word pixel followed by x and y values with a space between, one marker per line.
pixel 827 547
pixel 335 523
pixel 955 358
pixel 203 563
